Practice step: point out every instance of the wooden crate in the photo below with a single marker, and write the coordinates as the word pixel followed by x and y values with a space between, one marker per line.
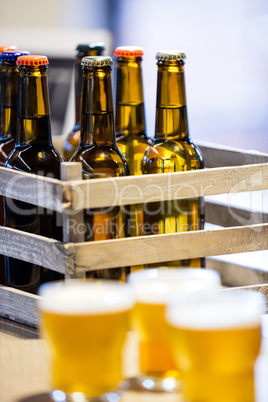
pixel 230 171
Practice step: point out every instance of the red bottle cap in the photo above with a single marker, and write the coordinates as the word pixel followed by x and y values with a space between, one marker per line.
pixel 7 48
pixel 32 60
pixel 128 51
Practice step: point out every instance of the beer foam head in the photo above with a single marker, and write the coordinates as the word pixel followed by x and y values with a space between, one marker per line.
pixel 214 310
pixel 90 297
pixel 158 285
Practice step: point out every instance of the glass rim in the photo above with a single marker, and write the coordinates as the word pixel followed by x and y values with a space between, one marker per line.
pixel 85 297
pixel 216 309
pixel 157 286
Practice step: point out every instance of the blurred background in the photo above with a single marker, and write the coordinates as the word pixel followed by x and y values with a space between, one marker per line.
pixel 226 43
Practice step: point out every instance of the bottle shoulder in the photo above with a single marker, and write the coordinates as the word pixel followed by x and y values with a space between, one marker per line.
pixel 40 159
pixel 107 160
pixel 172 155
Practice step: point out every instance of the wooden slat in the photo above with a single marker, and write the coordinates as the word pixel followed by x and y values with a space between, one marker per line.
pixel 180 185
pixel 219 155
pixel 73 220
pixel 36 190
pixel 227 216
pixel 36 249
pixel 235 274
pixel 19 306
pixel 57 195
pixel 169 247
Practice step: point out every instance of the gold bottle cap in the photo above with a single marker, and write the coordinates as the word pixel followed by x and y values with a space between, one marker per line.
pixel 96 61
pixel 170 55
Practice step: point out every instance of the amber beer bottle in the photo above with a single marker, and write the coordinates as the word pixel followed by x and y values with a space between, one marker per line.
pixel 131 136
pixel 8 102
pixel 8 119
pixel 83 49
pixel 174 151
pixel 33 153
pixel 130 126
pixel 99 153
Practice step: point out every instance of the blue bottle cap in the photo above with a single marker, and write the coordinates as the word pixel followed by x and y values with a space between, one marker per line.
pixel 12 56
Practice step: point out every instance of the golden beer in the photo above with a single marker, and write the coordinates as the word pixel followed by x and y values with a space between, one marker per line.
pixel 152 290
pixel 85 325
pixel 173 151
pixel 216 340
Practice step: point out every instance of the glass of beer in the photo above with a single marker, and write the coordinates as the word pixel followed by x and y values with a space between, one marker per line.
pixel 85 325
pixel 152 290
pixel 216 339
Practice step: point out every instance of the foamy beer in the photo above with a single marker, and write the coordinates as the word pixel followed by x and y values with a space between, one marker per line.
pixel 216 339
pixel 152 290
pixel 85 325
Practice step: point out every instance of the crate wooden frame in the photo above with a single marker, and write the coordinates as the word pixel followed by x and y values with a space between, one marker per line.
pixel 230 171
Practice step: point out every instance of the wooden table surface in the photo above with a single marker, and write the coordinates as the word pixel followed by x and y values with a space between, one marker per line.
pixel 24 367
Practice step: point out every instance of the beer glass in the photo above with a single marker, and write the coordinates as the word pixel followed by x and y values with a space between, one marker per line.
pixel 152 290
pixel 85 325
pixel 216 339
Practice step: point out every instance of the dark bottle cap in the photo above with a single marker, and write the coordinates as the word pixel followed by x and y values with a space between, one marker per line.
pixel 12 56
pixel 87 47
pixel 32 60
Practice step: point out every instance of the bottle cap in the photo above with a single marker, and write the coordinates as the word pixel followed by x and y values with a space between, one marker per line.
pixel 128 51
pixel 170 55
pixel 96 61
pixel 87 47
pixel 12 56
pixel 32 60
pixel 7 48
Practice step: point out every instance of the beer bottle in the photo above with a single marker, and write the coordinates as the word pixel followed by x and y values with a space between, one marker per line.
pixel 99 153
pixel 8 119
pixel 33 153
pixel 8 102
pixel 131 136
pixel 174 151
pixel 83 49
pixel 130 126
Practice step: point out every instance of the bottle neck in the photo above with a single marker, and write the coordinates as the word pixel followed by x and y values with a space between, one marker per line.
pixel 97 125
pixel 78 82
pixel 33 106
pixel 171 110
pixel 8 100
pixel 130 115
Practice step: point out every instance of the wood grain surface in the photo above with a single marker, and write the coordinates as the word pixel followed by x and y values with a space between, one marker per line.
pixel 75 195
pixel 99 193
pixel 169 247
pixel 221 155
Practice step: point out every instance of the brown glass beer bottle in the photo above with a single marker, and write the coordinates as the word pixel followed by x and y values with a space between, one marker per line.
pixel 33 153
pixel 131 136
pixel 174 151
pixel 130 125
pixel 8 102
pixel 83 49
pixel 9 79
pixel 99 153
